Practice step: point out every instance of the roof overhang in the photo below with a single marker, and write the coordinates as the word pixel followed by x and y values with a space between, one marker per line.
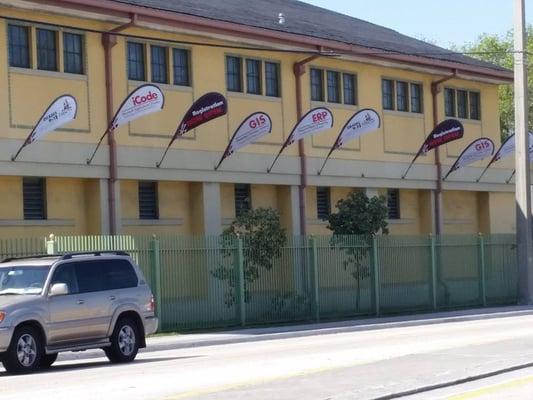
pixel 113 11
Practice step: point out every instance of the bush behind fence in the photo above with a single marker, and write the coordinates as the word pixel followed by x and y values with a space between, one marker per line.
pixel 208 282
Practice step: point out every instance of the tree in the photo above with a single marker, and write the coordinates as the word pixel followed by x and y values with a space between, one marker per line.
pixel 263 237
pixel 358 215
pixel 499 50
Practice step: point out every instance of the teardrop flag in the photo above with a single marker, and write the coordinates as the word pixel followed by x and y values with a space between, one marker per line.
pixel 253 128
pixel 445 132
pixel 60 112
pixel 208 107
pixel 316 120
pixel 362 122
pixel 144 100
pixel 478 150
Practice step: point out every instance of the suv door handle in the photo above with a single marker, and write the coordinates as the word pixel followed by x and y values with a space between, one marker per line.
pixel 112 298
pixel 81 301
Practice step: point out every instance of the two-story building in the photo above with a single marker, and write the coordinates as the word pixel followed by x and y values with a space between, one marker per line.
pixel 282 57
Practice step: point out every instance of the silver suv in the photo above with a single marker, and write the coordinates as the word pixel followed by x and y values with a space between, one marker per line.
pixel 73 302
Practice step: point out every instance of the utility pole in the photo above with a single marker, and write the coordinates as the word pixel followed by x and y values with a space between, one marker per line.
pixel 523 188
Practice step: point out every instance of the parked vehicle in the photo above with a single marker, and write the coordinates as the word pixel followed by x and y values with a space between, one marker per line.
pixel 73 302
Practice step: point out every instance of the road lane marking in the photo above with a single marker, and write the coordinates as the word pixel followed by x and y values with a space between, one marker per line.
pixel 492 389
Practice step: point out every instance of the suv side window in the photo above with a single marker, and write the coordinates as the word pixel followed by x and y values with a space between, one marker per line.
pixel 65 273
pixel 119 274
pixel 90 276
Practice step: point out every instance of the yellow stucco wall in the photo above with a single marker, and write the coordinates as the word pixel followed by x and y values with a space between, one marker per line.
pixel 460 210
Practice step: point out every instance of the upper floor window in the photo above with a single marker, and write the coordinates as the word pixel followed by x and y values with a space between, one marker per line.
pixel 19 46
pixel 136 63
pixel 401 95
pixel 181 67
pixel 258 77
pixel 73 53
pixel 243 198
pixel 393 203
pixel 148 200
pixel 159 64
pixel 34 198
pixel 272 79
pixel 340 87
pixel 234 73
pixel 253 76
pixel 46 50
pixel 323 202
pixel 462 103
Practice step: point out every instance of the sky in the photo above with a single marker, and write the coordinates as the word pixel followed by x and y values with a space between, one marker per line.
pixel 443 22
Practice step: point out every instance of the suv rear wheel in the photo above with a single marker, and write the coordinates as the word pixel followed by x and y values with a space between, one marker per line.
pixel 25 351
pixel 124 342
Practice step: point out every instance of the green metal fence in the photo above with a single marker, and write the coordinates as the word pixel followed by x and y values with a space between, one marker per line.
pixel 207 282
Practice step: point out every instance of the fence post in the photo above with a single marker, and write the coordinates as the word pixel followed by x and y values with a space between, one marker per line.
pixel 156 270
pixel 375 265
pixel 433 270
pixel 51 244
pixel 482 283
pixel 240 287
pixel 315 304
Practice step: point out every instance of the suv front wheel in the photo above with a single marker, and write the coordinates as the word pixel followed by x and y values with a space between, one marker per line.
pixel 25 352
pixel 124 342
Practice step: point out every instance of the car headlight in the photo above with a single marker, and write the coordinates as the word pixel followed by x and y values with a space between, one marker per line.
pixel 2 316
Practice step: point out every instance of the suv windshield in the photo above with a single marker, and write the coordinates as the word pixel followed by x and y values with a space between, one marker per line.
pixel 23 279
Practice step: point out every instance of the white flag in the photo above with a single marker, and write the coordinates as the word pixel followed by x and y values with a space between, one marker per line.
pixel 478 150
pixel 144 100
pixel 363 121
pixel 317 120
pixel 60 112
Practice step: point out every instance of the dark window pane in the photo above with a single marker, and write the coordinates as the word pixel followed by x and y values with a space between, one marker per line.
pixel 66 273
pixel 449 102
pixel 253 76
pixel 393 203
pixel 181 67
pixel 272 79
pixel 243 198
pixel 46 50
pixel 136 68
pixel 416 98
pixel 401 96
pixel 73 53
pixel 118 274
pixel 387 89
pixel 317 84
pixel 462 104
pixel 90 276
pixel 19 47
pixel 234 74
pixel 148 202
pixel 334 95
pixel 475 107
pixel 323 202
pixel 34 198
pixel 349 86
pixel 159 64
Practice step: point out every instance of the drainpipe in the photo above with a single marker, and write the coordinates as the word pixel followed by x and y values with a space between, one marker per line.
pixel 436 88
pixel 109 40
pixel 299 70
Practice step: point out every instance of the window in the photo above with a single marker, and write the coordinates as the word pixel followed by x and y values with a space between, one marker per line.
pixel 416 97
pixel 72 53
pixel 393 203
pixel 243 199
pixel 90 276
pixel 387 88
pixel 462 104
pixel 233 73
pixel 334 95
pixel 118 274
pixel 449 102
pixel 34 198
pixel 19 46
pixel 65 273
pixel 317 84
pixel 349 85
pixel 323 202
pixel 159 64
pixel 136 69
pixel 148 202
pixel 402 95
pixel 272 79
pixel 253 76
pixel 181 67
pixel 474 106
pixel 46 50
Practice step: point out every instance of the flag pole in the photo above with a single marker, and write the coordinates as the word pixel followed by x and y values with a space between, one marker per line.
pixel 158 165
pixel 325 161
pixel 13 158
pixel 511 177
pixel 485 170
pixel 276 159
pixel 90 159
pixel 410 165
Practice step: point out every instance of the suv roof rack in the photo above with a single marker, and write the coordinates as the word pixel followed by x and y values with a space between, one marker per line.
pixel 8 259
pixel 68 256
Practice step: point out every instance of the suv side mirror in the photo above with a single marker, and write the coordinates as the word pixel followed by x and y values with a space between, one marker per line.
pixel 58 289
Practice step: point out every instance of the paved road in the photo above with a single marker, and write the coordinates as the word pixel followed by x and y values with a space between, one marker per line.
pixel 354 365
